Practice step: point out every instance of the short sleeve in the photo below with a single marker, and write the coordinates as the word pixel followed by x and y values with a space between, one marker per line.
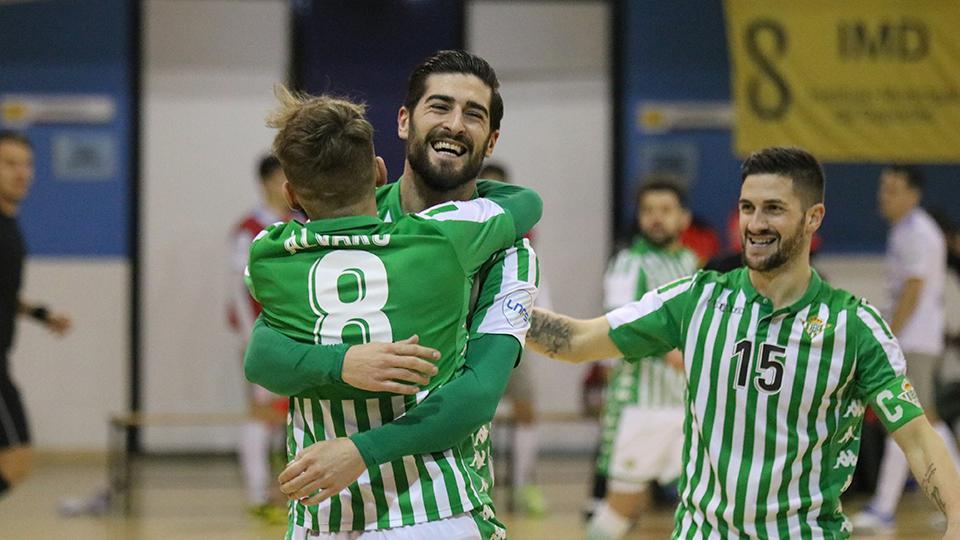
pixel 916 256
pixel 652 325
pixel 881 370
pixel 508 291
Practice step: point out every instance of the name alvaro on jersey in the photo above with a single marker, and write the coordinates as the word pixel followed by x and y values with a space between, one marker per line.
pixel 305 240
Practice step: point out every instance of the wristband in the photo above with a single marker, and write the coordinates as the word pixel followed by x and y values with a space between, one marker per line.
pixel 40 313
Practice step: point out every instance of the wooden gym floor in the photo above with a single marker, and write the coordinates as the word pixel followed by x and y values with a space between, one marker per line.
pixel 194 498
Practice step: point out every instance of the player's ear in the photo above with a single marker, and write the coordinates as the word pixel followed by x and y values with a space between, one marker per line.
pixel 488 151
pixel 403 123
pixel 381 171
pixel 815 216
pixel 290 196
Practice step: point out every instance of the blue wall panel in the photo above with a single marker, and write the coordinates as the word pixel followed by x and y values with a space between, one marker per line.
pixel 64 47
pixel 366 49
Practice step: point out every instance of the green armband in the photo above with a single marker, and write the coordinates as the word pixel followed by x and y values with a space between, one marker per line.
pixel 896 403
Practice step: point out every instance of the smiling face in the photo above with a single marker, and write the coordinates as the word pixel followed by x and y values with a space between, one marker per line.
pixel 448 132
pixel 661 217
pixel 775 228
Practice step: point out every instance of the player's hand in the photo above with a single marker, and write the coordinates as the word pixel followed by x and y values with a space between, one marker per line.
pixel 324 466
pixel 674 359
pixel 401 367
pixel 58 323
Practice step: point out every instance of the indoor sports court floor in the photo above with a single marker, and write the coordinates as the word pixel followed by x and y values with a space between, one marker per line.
pixel 194 498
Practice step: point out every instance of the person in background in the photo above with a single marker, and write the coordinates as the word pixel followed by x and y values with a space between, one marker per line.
pixel 16 175
pixel 644 399
pixel 267 410
pixel 521 393
pixel 916 262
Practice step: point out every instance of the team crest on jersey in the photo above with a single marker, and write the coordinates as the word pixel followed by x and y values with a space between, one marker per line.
pixel 908 394
pixel 815 326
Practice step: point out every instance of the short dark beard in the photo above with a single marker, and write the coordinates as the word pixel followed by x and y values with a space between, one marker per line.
pixel 440 178
pixel 661 243
pixel 785 252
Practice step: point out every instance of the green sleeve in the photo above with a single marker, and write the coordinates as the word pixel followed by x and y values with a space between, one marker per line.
pixel 288 367
pixel 451 412
pixel 474 229
pixel 653 325
pixel 507 293
pixel 881 370
pixel 524 204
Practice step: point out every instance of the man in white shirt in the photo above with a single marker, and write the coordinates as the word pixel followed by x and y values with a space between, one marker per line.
pixel 916 266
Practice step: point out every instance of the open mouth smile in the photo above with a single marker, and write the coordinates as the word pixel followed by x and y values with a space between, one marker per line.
pixel 448 147
pixel 760 241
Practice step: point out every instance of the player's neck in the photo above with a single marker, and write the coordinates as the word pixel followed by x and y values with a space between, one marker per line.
pixel 279 208
pixel 897 219
pixel 784 285
pixel 366 207
pixel 416 195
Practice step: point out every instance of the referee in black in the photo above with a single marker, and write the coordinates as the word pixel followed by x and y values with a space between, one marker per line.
pixel 16 173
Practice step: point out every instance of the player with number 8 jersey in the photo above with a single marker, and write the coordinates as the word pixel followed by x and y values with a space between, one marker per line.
pixel 357 279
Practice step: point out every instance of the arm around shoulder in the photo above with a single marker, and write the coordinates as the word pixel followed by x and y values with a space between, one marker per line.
pixel 523 204
pixel 569 339
pixel 287 367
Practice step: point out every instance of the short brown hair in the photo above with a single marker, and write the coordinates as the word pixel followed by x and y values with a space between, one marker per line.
pixel 455 61
pixel 325 145
pixel 796 164
pixel 15 137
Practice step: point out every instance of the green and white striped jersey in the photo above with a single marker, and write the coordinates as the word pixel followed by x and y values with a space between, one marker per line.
pixel 644 382
pixel 358 279
pixel 775 400
pixel 504 289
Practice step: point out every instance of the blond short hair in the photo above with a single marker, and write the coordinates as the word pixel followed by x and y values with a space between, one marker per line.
pixel 325 146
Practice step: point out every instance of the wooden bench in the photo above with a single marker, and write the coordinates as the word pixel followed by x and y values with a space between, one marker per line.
pixel 119 459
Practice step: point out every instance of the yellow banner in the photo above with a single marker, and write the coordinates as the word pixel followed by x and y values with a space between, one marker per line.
pixel 848 80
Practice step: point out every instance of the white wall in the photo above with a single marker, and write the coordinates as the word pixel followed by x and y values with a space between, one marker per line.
pixel 551 58
pixel 863 275
pixel 209 70
pixel 70 385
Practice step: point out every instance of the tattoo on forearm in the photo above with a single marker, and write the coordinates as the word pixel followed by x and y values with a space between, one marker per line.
pixel 931 489
pixel 551 332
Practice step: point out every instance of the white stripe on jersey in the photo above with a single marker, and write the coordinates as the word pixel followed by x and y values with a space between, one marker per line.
pixel 815 363
pixel 477 210
pixel 690 347
pixel 513 289
pixel 890 346
pixel 779 464
pixel 620 281
pixel 833 382
pixel 647 304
